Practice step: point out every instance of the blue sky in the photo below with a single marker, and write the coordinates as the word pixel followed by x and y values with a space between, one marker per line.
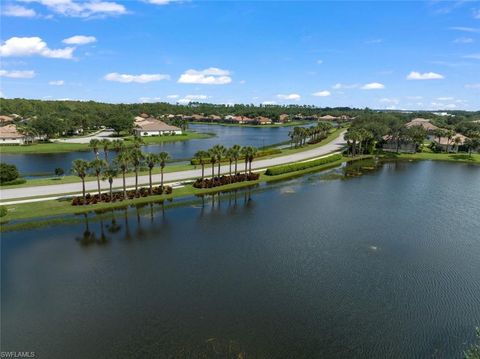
pixel 399 55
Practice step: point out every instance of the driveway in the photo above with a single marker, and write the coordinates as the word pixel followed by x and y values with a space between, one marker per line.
pixel 107 133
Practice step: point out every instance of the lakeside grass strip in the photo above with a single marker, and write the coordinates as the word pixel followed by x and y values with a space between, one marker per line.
pixel 294 167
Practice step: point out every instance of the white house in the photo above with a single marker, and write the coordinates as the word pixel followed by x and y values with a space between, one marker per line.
pixel 153 127
pixel 10 135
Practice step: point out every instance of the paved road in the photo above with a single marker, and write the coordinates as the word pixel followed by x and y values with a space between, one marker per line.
pixel 107 133
pixel 52 190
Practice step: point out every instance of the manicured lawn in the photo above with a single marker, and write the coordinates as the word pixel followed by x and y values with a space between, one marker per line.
pixel 59 147
pixel 60 207
pixel 432 156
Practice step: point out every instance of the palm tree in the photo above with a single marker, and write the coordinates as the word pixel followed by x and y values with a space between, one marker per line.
pixel 457 141
pixel 449 135
pixel 244 153
pixel 138 142
pixel 136 158
pixel 98 166
pixel 220 152
pixel 109 174
pixel 250 154
pixel 123 162
pixel 162 159
pixel 95 144
pixel 213 160
pixel 236 150
pixel 201 156
pixel 106 145
pixel 230 157
pixel 80 168
pixel 118 145
pixel 151 159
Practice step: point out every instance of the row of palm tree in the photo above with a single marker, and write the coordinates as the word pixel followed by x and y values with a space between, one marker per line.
pixel 127 159
pixel 300 135
pixel 219 153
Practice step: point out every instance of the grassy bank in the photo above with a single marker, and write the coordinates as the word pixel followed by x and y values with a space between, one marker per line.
pixel 38 210
pixel 61 147
pixel 432 156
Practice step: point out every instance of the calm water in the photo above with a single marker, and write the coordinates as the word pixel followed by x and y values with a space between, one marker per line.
pixel 31 165
pixel 386 265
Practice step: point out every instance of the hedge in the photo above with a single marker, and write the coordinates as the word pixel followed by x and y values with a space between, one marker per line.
pixel 278 170
pixel 264 153
pixel 16 181
pixel 3 211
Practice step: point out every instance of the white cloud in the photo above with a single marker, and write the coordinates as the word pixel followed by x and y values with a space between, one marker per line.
pixel 75 8
pixel 414 75
pixel 324 93
pixel 465 29
pixel 149 99
pixel 373 86
pixel 374 41
pixel 319 62
pixel 57 83
pixel 445 98
pixel 143 78
pixel 2 94
pixel 269 103
pixel 242 82
pixel 340 86
pixel 392 101
pixel 463 40
pixel 414 97
pixel 442 106
pixel 160 2
pixel 29 46
pixel 210 76
pixel 192 98
pixel 289 97
pixel 472 86
pixel 79 40
pixel 17 74
pixel 18 11
pixel 476 14
pixel 473 56
pixel 172 97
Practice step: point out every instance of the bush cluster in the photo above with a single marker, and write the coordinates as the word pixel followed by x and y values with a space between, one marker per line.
pixel 8 172
pixel 316 140
pixel 15 181
pixel 118 195
pixel 3 211
pixel 273 151
pixel 274 171
pixel 224 180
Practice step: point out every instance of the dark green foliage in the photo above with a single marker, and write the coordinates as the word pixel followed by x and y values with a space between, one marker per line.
pixel 59 171
pixel 8 172
pixel 195 161
pixel 278 170
pixel 3 211
pixel 14 182
pixel 474 351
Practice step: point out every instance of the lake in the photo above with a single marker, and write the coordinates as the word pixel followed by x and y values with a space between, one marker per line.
pixel 384 265
pixel 34 165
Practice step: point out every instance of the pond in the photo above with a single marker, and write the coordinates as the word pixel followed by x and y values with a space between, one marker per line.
pixel 384 265
pixel 35 165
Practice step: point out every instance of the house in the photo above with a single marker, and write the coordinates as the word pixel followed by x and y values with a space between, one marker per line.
pixel 5 119
pixel 261 120
pixel 215 118
pixel 448 144
pixel 10 135
pixel 241 120
pixel 327 118
pixel 154 127
pixel 283 118
pixel 390 144
pixel 422 122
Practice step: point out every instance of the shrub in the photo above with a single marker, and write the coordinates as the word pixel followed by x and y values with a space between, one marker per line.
pixel 278 170
pixel 8 172
pixel 59 171
pixel 224 180
pixel 3 211
pixel 16 181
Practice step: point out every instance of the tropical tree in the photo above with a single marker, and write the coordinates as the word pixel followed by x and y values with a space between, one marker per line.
pixel 118 145
pixel 123 163
pixel 200 156
pixel 138 142
pixel 213 159
pixel 162 159
pixel 472 144
pixel 236 152
pixel 106 145
pixel 229 155
pixel 94 145
pixel 251 153
pixel 449 135
pixel 245 152
pixel 98 166
pixel 151 159
pixel 220 152
pixel 80 168
pixel 457 141
pixel 136 159
pixel 109 174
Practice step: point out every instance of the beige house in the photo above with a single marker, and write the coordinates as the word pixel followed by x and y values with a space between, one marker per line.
pixel 422 122
pixel 153 127
pixel 450 144
pixel 261 120
pixel 10 135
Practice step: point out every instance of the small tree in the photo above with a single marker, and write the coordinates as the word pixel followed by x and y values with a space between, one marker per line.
pixel 201 156
pixel 109 174
pixel 59 172
pixel 98 166
pixel 151 159
pixel 8 172
pixel 162 159
pixel 94 145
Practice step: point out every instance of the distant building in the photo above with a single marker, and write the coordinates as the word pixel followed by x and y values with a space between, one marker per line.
pixel 10 135
pixel 261 120
pixel 153 127
pixel 5 119
pixel 446 144
pixel 422 122
pixel 283 118
pixel 327 118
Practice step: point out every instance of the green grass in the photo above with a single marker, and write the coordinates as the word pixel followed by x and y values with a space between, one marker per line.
pixel 61 207
pixel 60 147
pixel 432 156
